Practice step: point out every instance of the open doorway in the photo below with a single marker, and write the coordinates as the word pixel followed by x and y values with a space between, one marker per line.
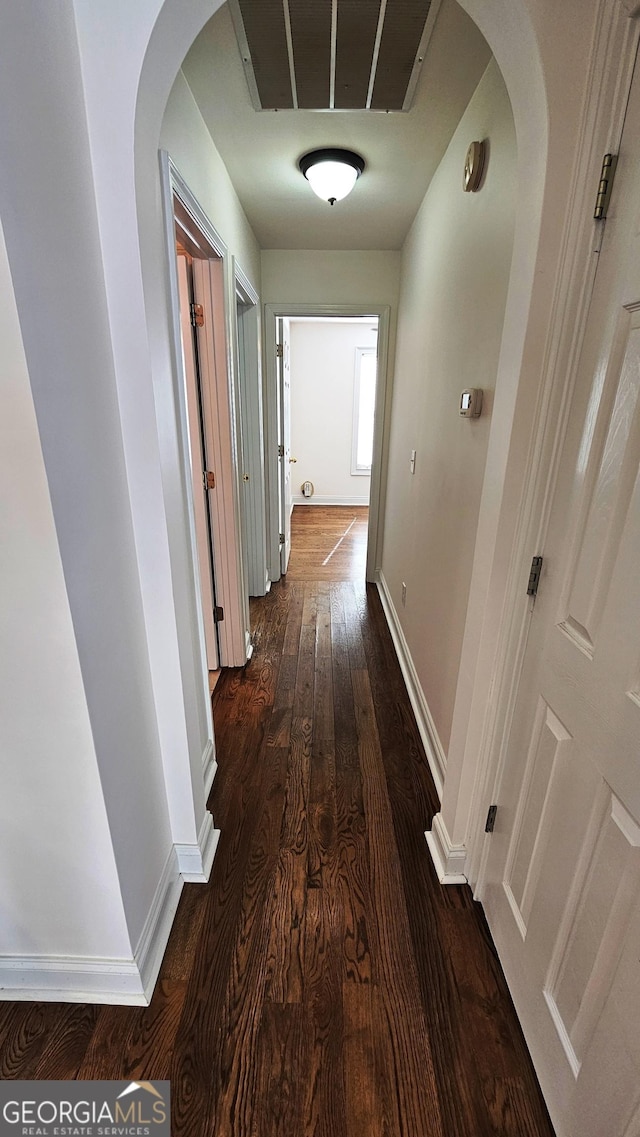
pixel 328 371
pixel 326 386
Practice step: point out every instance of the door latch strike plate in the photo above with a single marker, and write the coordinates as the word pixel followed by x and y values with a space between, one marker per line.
pixel 491 819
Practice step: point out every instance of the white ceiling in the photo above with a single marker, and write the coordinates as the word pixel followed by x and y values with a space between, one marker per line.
pixel 402 150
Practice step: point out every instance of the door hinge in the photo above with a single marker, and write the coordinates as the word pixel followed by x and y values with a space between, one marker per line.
pixel 209 480
pixel 279 350
pixel 282 538
pixel 534 576
pixel 218 614
pixel 491 819
pixel 197 315
pixel 280 451
pixel 609 163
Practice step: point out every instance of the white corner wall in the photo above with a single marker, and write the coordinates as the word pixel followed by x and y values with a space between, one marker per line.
pixel 59 888
pixel 323 357
pixel 455 274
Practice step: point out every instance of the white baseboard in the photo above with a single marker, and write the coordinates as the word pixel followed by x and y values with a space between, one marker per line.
pixel 77 979
pixel 433 747
pixel 71 979
pixel 449 860
pixel 157 926
pixel 209 767
pixel 320 499
pixel 195 861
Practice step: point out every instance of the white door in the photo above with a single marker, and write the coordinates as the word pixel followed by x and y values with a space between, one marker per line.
pixel 284 448
pixel 563 889
pixel 200 493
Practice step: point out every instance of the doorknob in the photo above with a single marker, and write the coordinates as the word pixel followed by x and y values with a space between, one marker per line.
pixel 293 459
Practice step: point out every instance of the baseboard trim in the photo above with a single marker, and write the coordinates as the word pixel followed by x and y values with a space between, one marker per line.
pixel 449 860
pixel 320 499
pixel 195 861
pixel 435 753
pixel 115 981
pixel 71 979
pixel 209 766
pixel 157 927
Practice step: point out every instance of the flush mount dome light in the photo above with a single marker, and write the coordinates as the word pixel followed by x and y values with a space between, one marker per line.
pixel 331 173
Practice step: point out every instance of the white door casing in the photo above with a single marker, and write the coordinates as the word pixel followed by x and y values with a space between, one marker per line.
pixel 271 404
pixel 562 884
pixel 284 445
pixel 252 433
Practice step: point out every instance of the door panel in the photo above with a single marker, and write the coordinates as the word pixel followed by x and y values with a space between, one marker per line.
pixel 203 536
pixel 563 884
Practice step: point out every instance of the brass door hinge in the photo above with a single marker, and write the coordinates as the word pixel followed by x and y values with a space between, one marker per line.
pixel 197 315
pixel 279 350
pixel 609 163
pixel 218 614
pixel 282 538
pixel 209 480
pixel 280 451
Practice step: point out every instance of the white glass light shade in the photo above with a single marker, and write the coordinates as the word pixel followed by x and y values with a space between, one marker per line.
pixel 331 173
pixel 332 180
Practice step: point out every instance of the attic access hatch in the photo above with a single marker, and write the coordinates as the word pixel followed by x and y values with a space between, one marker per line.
pixel 333 54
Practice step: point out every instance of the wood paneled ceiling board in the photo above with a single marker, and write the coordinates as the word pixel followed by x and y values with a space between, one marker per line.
pixel 333 54
pixel 357 25
pixel 401 34
pixel 311 40
pixel 266 35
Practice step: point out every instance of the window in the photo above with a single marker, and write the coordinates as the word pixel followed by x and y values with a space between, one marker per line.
pixel 364 401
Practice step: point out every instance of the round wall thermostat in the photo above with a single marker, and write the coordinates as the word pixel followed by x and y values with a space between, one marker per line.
pixel 473 167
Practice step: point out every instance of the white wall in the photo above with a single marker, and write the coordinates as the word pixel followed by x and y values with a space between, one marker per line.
pixel 190 145
pixel 310 276
pixel 455 273
pixel 59 892
pixel 323 357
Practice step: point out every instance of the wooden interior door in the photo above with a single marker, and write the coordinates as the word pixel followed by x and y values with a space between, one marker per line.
pixel 563 890
pixel 198 467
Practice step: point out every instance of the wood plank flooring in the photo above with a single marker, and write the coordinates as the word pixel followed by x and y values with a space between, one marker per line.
pixel 328 542
pixel 323 984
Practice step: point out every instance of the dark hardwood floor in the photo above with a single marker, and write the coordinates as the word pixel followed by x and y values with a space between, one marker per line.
pixel 323 983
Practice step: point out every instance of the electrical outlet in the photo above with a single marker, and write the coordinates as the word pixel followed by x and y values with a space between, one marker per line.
pixel 404 594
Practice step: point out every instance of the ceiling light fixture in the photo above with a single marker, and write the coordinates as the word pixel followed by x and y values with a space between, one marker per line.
pixel 332 173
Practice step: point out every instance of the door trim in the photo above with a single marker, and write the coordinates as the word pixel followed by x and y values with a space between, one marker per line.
pixel 235 639
pixel 608 88
pixel 381 430
pixel 251 413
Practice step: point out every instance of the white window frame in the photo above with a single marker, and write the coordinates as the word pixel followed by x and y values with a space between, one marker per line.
pixel 364 471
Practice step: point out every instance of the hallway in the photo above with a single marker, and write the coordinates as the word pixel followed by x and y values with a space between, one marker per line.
pixel 323 982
